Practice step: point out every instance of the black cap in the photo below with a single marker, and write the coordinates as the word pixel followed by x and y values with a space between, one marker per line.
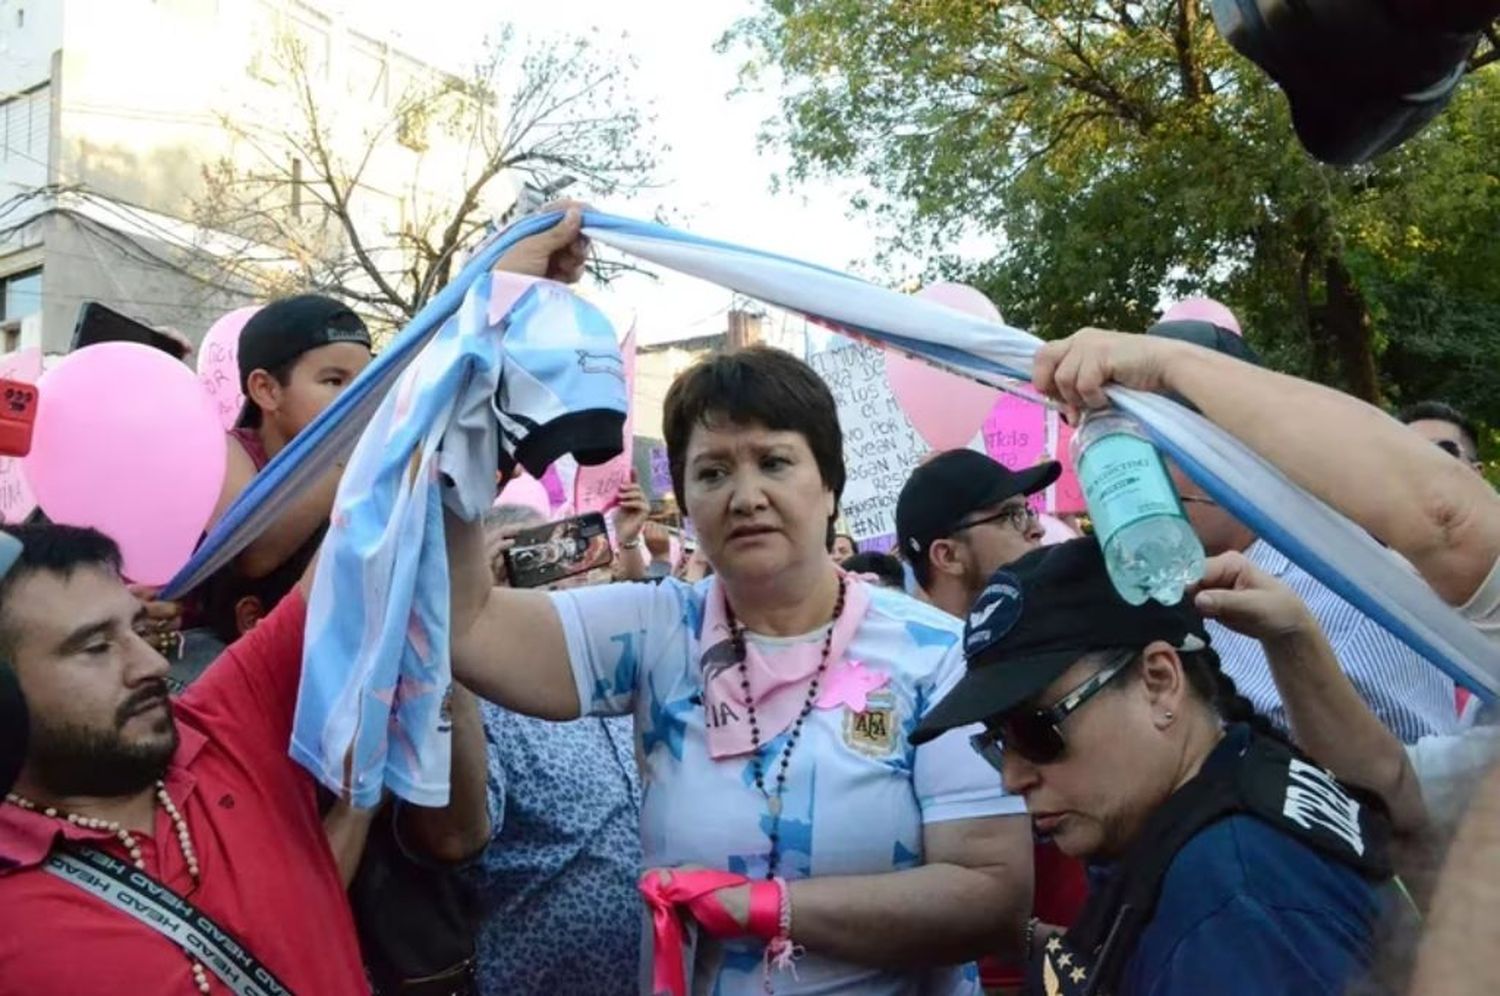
pixel 948 487
pixel 1039 615
pixel 1209 336
pixel 283 330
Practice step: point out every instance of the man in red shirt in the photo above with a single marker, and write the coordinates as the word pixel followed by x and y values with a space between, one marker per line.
pixel 109 751
pixel 199 793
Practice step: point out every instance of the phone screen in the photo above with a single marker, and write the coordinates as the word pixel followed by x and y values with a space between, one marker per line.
pixel 547 554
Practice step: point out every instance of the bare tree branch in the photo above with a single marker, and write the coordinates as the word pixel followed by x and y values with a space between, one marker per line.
pixel 566 113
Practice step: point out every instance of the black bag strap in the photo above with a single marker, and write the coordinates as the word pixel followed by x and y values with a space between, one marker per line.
pixel 138 895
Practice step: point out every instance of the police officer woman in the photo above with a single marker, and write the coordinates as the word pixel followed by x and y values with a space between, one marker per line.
pixel 1224 861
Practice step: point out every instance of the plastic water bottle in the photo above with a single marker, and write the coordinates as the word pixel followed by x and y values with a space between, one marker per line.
pixel 1149 547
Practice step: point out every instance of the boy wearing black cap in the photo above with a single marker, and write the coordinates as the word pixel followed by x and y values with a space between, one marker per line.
pixel 295 356
pixel 960 517
pixel 1230 864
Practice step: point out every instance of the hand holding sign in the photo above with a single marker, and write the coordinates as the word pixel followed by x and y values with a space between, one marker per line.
pixel 631 511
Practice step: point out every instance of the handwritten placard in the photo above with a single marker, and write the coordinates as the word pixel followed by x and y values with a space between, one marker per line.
pixel 881 448
pixel 16 498
pixel 219 366
pixel 1015 434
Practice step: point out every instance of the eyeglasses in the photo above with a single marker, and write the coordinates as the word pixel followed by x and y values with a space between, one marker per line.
pixel 1034 733
pixel 1020 517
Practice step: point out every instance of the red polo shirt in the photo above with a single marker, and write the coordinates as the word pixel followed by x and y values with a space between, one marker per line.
pixel 267 873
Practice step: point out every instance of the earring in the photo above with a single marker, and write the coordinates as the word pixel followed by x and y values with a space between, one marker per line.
pixel 1167 715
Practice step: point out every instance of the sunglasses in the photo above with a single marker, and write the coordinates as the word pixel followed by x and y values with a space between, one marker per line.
pixel 1035 734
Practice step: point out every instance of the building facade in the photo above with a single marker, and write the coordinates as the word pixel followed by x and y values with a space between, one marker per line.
pixel 120 119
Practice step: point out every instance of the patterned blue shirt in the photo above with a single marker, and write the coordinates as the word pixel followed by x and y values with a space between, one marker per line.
pixel 556 887
pixel 858 795
pixel 1410 696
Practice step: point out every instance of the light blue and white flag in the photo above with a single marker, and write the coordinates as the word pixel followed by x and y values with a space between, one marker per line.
pixel 1324 543
pixel 524 372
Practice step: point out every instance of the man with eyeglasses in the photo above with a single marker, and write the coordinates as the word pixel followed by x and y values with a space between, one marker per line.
pixel 1225 861
pixel 961 517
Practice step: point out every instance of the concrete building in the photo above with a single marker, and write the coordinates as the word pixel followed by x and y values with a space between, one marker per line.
pixel 658 364
pixel 116 115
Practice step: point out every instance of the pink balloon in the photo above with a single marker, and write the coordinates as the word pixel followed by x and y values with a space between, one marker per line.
pixel 219 364
pixel 552 481
pixel 528 492
pixel 127 442
pixel 961 297
pixel 1203 309
pixel 945 408
pixel 16 499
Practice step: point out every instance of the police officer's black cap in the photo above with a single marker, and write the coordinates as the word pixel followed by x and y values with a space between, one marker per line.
pixel 1039 615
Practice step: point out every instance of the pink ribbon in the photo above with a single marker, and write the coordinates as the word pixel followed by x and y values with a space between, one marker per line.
pixel 696 892
pixel 663 893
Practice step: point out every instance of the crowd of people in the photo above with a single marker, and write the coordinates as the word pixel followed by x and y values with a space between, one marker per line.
pixel 777 762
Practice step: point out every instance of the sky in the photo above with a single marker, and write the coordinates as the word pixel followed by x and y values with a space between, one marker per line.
pixel 714 179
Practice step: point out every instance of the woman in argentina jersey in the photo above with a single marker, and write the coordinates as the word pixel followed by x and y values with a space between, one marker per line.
pixel 773 703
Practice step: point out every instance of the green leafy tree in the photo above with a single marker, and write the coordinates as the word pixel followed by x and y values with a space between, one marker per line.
pixel 1121 153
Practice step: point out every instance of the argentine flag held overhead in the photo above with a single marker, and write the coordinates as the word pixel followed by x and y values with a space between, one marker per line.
pixel 1321 541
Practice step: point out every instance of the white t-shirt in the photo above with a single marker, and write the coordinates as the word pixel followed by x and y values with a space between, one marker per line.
pixel 1483 607
pixel 857 794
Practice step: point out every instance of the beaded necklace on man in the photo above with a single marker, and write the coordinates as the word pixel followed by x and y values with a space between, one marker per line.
pixel 133 848
pixel 757 761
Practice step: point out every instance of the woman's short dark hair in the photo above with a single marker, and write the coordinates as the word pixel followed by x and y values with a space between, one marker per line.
pixel 755 386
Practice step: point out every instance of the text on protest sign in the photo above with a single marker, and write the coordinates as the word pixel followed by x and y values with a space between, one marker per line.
pixel 880 446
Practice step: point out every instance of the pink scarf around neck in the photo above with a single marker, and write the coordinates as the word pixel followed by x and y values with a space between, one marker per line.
pixel 779 677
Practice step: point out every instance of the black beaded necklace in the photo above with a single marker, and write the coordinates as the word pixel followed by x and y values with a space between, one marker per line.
pixel 757 761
